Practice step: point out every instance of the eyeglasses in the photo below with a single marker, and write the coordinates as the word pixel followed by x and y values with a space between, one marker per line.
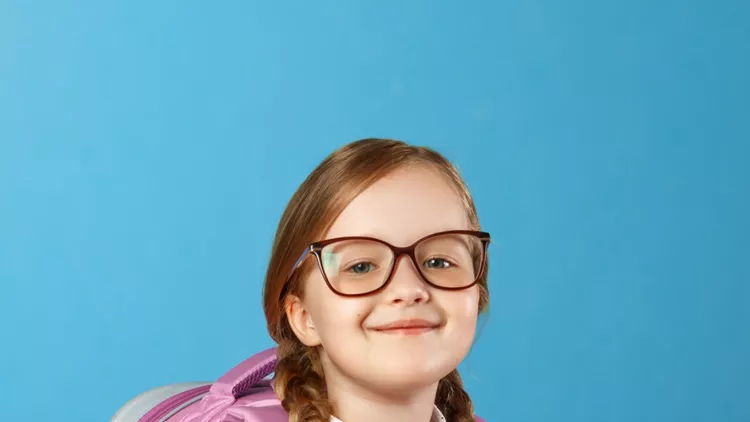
pixel 358 265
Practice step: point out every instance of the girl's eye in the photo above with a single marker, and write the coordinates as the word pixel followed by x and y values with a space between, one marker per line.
pixel 437 263
pixel 361 268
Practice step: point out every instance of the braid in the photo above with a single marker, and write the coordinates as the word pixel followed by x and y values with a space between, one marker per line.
pixel 299 383
pixel 453 400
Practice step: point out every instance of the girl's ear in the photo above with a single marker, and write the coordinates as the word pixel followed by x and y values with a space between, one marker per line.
pixel 301 321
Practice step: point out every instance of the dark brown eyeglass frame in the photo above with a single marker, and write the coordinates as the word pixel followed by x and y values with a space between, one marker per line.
pixel 317 247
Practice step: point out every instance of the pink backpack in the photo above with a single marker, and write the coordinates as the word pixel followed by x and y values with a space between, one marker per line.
pixel 243 394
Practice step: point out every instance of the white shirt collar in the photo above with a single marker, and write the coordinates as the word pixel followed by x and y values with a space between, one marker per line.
pixel 437 416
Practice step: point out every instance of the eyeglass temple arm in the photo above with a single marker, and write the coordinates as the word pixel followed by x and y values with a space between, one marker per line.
pixel 299 261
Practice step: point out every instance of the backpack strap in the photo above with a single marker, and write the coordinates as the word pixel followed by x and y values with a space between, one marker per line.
pixel 240 379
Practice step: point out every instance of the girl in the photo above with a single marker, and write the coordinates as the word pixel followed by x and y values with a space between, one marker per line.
pixel 377 275
pixel 376 278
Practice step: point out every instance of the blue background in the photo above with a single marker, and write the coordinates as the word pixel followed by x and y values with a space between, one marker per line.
pixel 147 150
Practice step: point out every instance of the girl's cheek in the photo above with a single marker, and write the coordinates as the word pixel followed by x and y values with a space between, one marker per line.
pixel 345 311
pixel 463 304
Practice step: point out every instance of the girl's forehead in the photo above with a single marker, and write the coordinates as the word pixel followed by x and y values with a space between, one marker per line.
pixel 402 207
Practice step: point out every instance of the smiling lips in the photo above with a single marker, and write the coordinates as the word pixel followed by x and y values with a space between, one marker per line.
pixel 407 327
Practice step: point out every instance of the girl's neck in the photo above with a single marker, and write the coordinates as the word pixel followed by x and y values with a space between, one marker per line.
pixel 353 402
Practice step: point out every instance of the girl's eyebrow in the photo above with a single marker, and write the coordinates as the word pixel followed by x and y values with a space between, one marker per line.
pixel 375 235
pixel 354 234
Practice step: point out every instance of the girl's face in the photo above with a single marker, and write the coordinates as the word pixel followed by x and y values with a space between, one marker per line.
pixel 400 209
